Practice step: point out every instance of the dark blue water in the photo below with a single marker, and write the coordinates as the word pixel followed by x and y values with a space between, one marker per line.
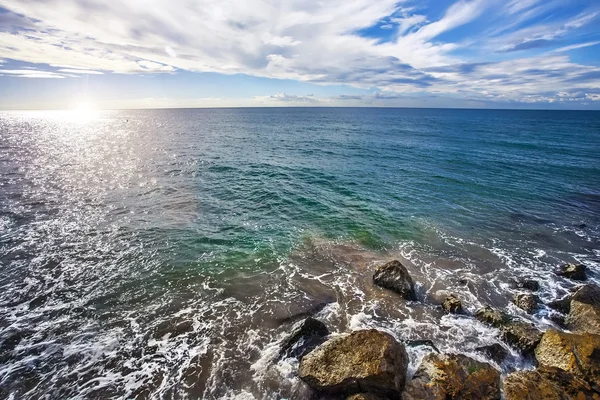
pixel 164 253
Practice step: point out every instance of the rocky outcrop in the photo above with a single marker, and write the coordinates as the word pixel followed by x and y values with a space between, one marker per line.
pixel 494 352
pixel 528 284
pixel 576 272
pixel 452 305
pixel 519 334
pixel 574 353
pixel 394 276
pixel 305 336
pixel 453 376
pixel 584 311
pixel 526 301
pixel 367 361
pixel 547 383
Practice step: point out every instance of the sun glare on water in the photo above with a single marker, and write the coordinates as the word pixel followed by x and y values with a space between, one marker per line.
pixel 83 110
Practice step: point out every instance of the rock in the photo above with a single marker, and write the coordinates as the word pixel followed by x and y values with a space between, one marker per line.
pixel 495 352
pixel 453 376
pixel 584 311
pixel 576 272
pixel 452 305
pixel 363 361
pixel 305 336
pixel 574 353
pixel 547 383
pixel 526 301
pixel 491 316
pixel 363 396
pixel 422 342
pixel 394 276
pixel 519 334
pixel 528 284
pixel 563 305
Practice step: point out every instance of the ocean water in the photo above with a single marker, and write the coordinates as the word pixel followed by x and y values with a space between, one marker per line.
pixel 166 253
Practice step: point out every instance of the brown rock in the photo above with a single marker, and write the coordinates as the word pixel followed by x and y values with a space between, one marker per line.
pixel 547 383
pixel 584 314
pixel 576 272
pixel 574 353
pixel 526 301
pixel 453 376
pixel 363 396
pixel 491 316
pixel 363 361
pixel 522 335
pixel 452 305
pixel 394 276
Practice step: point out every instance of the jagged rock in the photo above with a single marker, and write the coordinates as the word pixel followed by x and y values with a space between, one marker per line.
pixel 526 301
pixel 422 342
pixel 452 305
pixel 574 353
pixel 562 305
pixel 363 396
pixel 584 313
pixel 576 272
pixel 394 276
pixel 522 335
pixel 547 383
pixel 453 376
pixel 305 336
pixel 495 352
pixel 363 361
pixel 528 284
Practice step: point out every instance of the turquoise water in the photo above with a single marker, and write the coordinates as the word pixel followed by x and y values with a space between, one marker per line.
pixel 231 221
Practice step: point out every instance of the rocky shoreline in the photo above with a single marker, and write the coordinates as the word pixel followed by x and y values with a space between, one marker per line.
pixel 372 364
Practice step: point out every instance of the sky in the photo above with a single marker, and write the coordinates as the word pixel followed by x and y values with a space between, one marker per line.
pixel 541 54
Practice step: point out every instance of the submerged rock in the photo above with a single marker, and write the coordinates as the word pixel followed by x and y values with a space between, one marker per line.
pixel 574 353
pixel 584 311
pixel 173 327
pixel 305 336
pixel 452 305
pixel 528 284
pixel 394 276
pixel 576 272
pixel 453 376
pixel 519 334
pixel 526 301
pixel 495 352
pixel 547 383
pixel 363 361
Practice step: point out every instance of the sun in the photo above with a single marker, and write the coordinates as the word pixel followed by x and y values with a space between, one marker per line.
pixel 83 106
pixel 83 110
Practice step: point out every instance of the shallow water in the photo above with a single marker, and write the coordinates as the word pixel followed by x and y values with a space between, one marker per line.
pixel 166 253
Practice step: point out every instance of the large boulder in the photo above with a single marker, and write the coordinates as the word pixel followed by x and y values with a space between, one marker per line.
pixel 394 276
pixel 574 353
pixel 576 272
pixel 517 333
pixel 584 312
pixel 526 301
pixel 547 383
pixel 452 305
pixel 363 361
pixel 305 336
pixel 453 376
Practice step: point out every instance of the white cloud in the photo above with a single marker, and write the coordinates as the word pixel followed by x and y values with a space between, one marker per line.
pixel 80 71
pixel 30 73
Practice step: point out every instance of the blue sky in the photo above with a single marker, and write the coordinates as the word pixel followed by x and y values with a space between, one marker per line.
pixel 209 53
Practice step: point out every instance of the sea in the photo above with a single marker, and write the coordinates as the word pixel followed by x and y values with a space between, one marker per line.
pixel 166 254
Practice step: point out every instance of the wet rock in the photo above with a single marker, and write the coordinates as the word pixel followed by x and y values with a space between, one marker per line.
pixel 422 342
pixel 578 354
pixel 519 334
pixel 363 361
pixel 363 396
pixel 547 383
pixel 305 336
pixel 495 352
pixel 584 312
pixel 394 276
pixel 309 312
pixel 526 301
pixel 453 376
pixel 452 305
pixel 576 272
pixel 174 327
pixel 562 305
pixel 528 284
